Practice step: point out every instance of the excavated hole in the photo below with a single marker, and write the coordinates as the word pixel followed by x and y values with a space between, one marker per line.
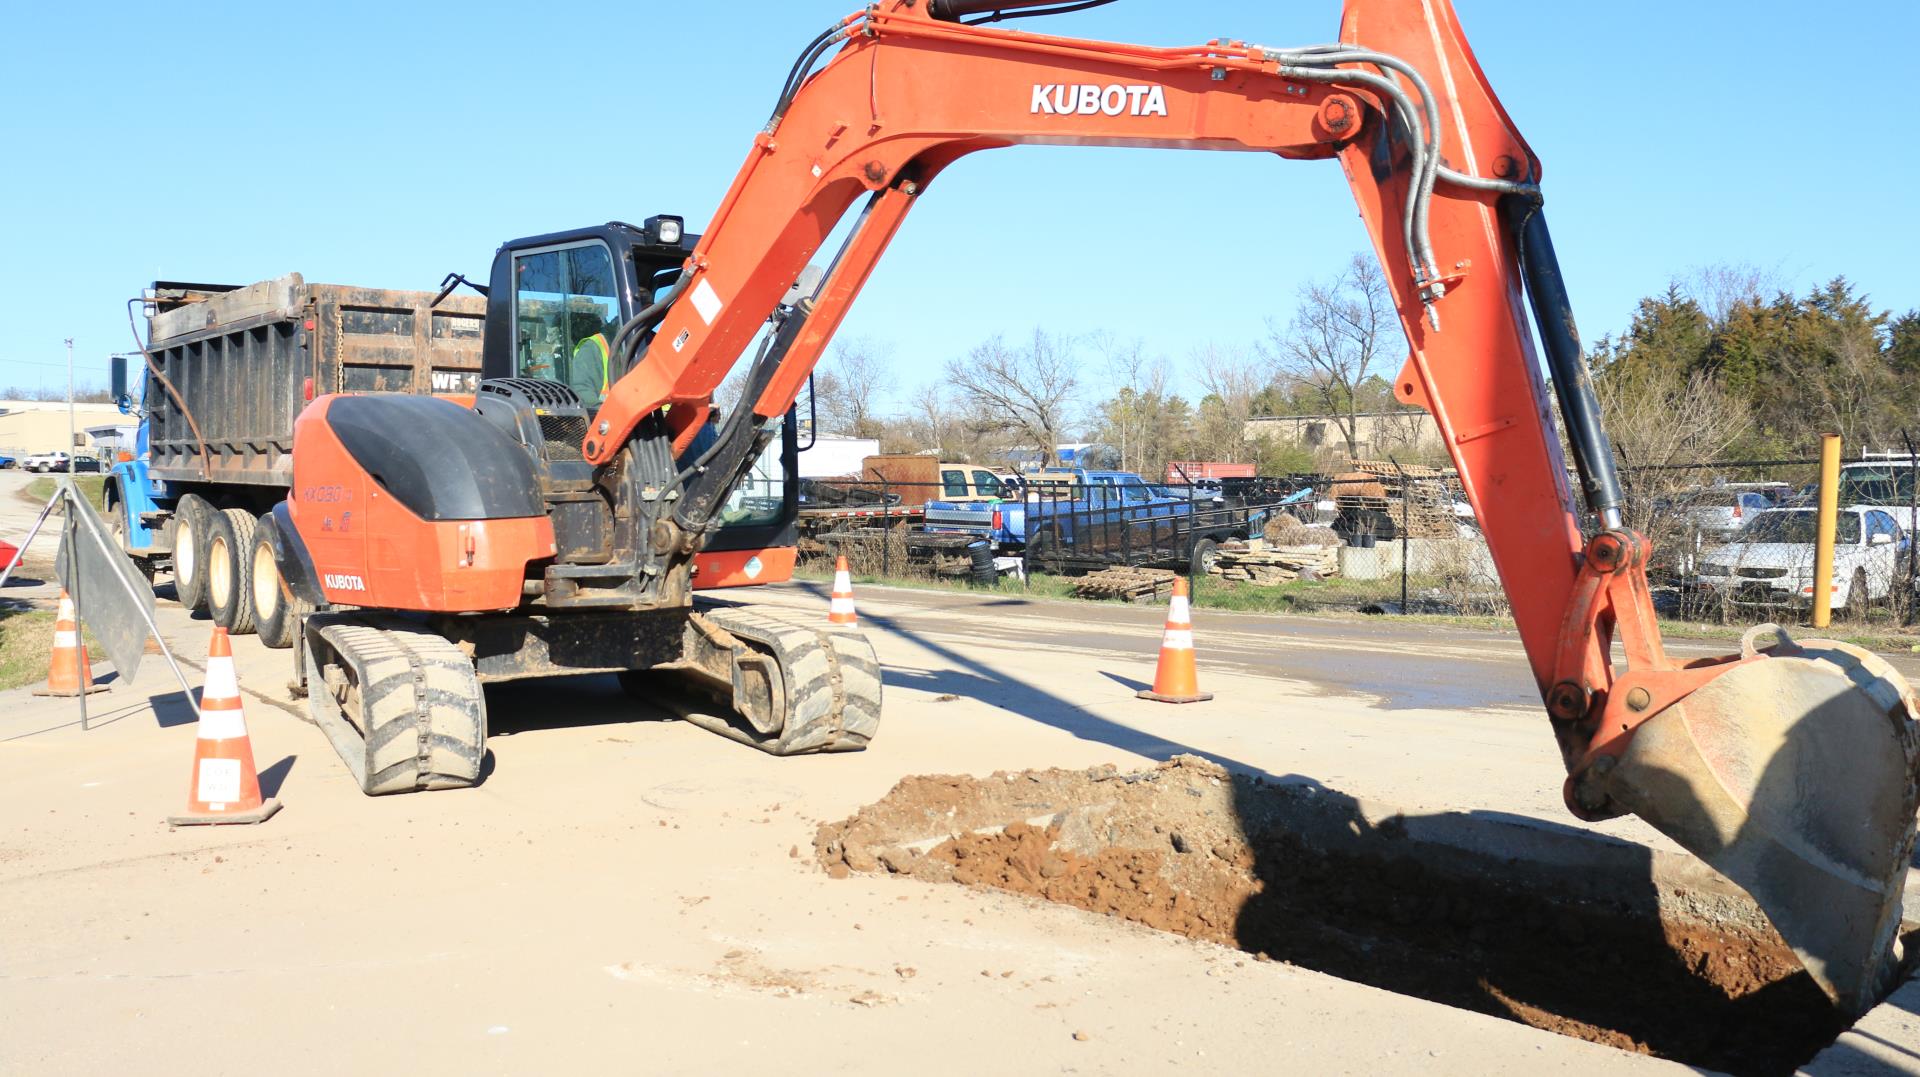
pixel 1190 849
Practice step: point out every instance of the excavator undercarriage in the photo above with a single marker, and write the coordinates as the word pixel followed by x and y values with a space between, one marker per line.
pixel 401 699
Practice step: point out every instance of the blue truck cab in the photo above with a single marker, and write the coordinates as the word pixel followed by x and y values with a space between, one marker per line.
pixel 137 503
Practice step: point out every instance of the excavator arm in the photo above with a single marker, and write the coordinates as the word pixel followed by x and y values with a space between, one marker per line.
pixel 1789 767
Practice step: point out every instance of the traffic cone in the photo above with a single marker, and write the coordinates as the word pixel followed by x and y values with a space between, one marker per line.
pixel 225 788
pixel 840 607
pixel 1174 681
pixel 69 674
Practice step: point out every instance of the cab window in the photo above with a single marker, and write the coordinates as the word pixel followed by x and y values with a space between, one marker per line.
pixel 1879 523
pixel 761 497
pixel 953 484
pixel 565 311
pixel 988 484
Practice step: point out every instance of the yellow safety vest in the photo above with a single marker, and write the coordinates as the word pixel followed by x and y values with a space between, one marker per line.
pixel 599 341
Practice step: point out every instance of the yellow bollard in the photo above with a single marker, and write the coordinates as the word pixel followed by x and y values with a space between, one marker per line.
pixel 1823 538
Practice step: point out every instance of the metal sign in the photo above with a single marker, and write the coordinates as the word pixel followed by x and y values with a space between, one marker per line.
pixel 113 599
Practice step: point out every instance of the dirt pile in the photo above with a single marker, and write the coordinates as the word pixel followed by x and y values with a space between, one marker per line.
pixel 1287 530
pixel 1186 847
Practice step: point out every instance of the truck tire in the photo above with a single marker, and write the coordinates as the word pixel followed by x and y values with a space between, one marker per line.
pixel 117 531
pixel 1205 552
pixel 1858 596
pixel 191 518
pixel 1043 552
pixel 230 570
pixel 984 574
pixel 277 611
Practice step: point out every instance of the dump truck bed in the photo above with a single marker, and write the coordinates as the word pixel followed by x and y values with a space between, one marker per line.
pixel 245 361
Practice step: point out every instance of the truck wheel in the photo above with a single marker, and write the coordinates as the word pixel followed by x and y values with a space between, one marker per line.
pixel 277 611
pixel 1857 597
pixel 1206 551
pixel 1043 552
pixel 191 517
pixel 117 532
pixel 230 570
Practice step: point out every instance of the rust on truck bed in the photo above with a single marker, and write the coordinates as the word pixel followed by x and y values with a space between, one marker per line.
pixel 246 361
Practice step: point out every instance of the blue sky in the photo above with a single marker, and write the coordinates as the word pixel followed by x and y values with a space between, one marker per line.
pixel 387 144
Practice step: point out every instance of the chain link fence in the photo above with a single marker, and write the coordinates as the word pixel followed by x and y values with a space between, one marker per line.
pixel 1733 540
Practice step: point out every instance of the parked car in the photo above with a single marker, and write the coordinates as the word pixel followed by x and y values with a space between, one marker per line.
pixel 7 461
pixel 43 462
pixel 1770 560
pixel 1719 511
pixel 86 463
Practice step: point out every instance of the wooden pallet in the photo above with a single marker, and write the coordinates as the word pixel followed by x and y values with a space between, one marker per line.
pixel 1132 584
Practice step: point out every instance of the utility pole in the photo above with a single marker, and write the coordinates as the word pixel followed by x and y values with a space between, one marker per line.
pixel 69 405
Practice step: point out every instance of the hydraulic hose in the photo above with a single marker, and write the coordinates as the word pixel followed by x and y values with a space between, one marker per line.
pixel 167 384
pixel 1566 360
pixel 1319 63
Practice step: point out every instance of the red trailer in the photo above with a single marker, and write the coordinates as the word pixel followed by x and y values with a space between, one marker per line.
pixel 1182 472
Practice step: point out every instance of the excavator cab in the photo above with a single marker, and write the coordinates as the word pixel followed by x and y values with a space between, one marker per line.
pixel 555 305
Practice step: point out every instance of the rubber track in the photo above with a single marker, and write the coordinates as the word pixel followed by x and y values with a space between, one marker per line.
pixel 424 716
pixel 832 685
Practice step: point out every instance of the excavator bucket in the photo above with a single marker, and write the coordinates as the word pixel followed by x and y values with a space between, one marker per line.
pixel 1794 775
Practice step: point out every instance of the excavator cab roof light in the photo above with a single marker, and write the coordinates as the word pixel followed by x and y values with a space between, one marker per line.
pixel 664 230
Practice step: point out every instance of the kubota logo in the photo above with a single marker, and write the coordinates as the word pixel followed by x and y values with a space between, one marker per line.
pixel 337 582
pixel 1085 100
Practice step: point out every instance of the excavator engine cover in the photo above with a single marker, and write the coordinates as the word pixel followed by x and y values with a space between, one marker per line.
pixel 1794 775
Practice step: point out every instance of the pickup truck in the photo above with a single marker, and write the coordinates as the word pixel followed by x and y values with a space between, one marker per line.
pixel 1077 517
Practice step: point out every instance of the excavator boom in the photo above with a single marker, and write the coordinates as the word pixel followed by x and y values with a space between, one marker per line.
pixel 1738 759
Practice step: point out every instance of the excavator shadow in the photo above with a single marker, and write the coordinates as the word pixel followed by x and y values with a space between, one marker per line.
pixel 1487 918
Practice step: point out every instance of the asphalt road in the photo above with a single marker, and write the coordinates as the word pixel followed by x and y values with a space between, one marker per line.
pixel 1396 664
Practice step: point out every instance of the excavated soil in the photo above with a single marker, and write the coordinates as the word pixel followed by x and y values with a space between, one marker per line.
pixel 1189 848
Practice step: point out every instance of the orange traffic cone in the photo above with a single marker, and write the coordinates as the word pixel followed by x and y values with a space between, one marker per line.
pixel 1174 681
pixel 840 607
pixel 226 788
pixel 69 674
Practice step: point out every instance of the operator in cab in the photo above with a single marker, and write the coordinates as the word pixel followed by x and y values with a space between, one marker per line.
pixel 588 372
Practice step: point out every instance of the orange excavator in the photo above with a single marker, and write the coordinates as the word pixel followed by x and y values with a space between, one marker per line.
pixel 556 525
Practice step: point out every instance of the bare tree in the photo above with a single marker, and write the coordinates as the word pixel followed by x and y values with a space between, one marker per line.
pixel 1661 420
pixel 1721 287
pixel 1030 391
pixel 1343 335
pixel 1231 383
pixel 1132 416
pixel 930 420
pixel 849 387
